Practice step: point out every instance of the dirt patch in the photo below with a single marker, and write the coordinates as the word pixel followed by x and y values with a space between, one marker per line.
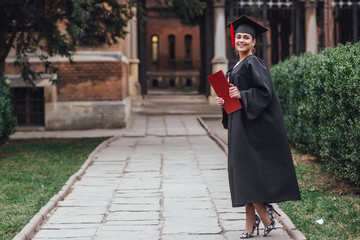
pixel 325 180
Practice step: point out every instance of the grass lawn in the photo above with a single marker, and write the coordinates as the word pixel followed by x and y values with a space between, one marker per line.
pixel 31 172
pixel 337 203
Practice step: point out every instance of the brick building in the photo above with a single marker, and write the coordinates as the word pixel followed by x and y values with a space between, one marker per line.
pixel 173 53
pixel 102 85
pixel 93 92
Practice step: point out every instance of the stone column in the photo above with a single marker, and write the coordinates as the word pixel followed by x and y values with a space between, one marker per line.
pixel 310 26
pixel 219 62
pixel 134 85
pixel 329 24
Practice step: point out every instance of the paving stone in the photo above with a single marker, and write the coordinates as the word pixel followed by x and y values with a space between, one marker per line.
pixel 220 195
pixel 134 207
pixel 188 187
pixel 233 225
pixel 192 237
pixel 101 174
pixel 129 227
pixel 127 235
pixel 111 157
pixel 137 194
pixel 230 210
pixel 90 195
pixel 131 174
pixel 132 216
pixel 57 218
pixel 66 238
pixel 79 210
pixel 139 184
pixel 222 203
pixel 151 140
pixel 187 205
pixel 232 216
pixel 132 223
pixel 181 213
pixel 66 233
pixel 69 225
pixel 191 225
pixel 136 201
pixel 124 141
pixel 105 170
pixel 193 194
pixel 134 133
pixel 234 235
pixel 274 235
pixel 112 183
pixel 68 202
pixel 116 150
pixel 188 179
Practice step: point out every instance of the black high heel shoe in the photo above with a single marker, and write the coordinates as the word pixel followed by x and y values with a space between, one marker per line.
pixel 256 226
pixel 270 210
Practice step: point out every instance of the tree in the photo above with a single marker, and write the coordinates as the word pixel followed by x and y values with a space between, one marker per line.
pixel 31 27
pixel 188 11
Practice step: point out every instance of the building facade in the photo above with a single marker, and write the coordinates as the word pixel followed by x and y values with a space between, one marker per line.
pixel 173 52
pixel 96 91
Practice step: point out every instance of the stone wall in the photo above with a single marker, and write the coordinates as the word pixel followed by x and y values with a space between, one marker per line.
pixel 72 115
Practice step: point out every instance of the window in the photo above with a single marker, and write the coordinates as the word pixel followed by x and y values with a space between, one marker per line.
pixel 29 106
pixel 188 82
pixel 155 48
pixel 188 48
pixel 155 83
pixel 171 47
pixel 188 42
pixel 172 82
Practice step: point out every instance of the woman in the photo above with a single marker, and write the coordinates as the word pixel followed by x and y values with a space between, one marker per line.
pixel 260 165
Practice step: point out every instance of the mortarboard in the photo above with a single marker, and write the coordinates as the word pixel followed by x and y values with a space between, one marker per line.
pixel 245 25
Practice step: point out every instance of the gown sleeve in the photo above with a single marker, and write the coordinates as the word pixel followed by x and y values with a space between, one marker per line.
pixel 259 96
pixel 224 118
pixel 224 114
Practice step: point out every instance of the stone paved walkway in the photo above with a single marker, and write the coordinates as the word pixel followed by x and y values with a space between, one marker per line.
pixel 163 178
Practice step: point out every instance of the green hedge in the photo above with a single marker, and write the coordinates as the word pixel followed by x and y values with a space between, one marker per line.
pixel 7 117
pixel 320 97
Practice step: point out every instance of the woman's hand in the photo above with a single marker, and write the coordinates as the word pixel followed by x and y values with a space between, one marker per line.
pixel 220 101
pixel 234 92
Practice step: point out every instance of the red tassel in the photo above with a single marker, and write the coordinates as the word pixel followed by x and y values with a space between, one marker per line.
pixel 232 35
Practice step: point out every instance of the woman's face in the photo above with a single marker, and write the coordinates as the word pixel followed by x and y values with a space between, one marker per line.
pixel 244 42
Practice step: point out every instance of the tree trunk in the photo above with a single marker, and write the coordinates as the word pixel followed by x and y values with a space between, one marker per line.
pixel 2 67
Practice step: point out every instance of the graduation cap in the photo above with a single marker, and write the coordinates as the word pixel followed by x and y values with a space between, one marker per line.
pixel 245 25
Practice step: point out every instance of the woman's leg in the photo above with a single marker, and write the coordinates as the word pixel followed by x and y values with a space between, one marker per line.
pixel 250 217
pixel 264 216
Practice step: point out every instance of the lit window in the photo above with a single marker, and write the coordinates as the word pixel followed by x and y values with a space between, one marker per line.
pixel 155 47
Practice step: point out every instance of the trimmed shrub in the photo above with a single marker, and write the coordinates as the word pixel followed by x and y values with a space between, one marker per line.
pixel 320 97
pixel 7 117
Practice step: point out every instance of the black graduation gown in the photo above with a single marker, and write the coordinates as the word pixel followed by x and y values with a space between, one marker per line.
pixel 260 164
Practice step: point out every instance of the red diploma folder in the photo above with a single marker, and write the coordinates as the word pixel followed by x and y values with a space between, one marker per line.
pixel 221 86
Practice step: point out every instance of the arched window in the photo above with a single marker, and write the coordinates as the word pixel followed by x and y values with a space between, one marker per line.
pixel 188 53
pixel 172 47
pixel 155 48
pixel 188 43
